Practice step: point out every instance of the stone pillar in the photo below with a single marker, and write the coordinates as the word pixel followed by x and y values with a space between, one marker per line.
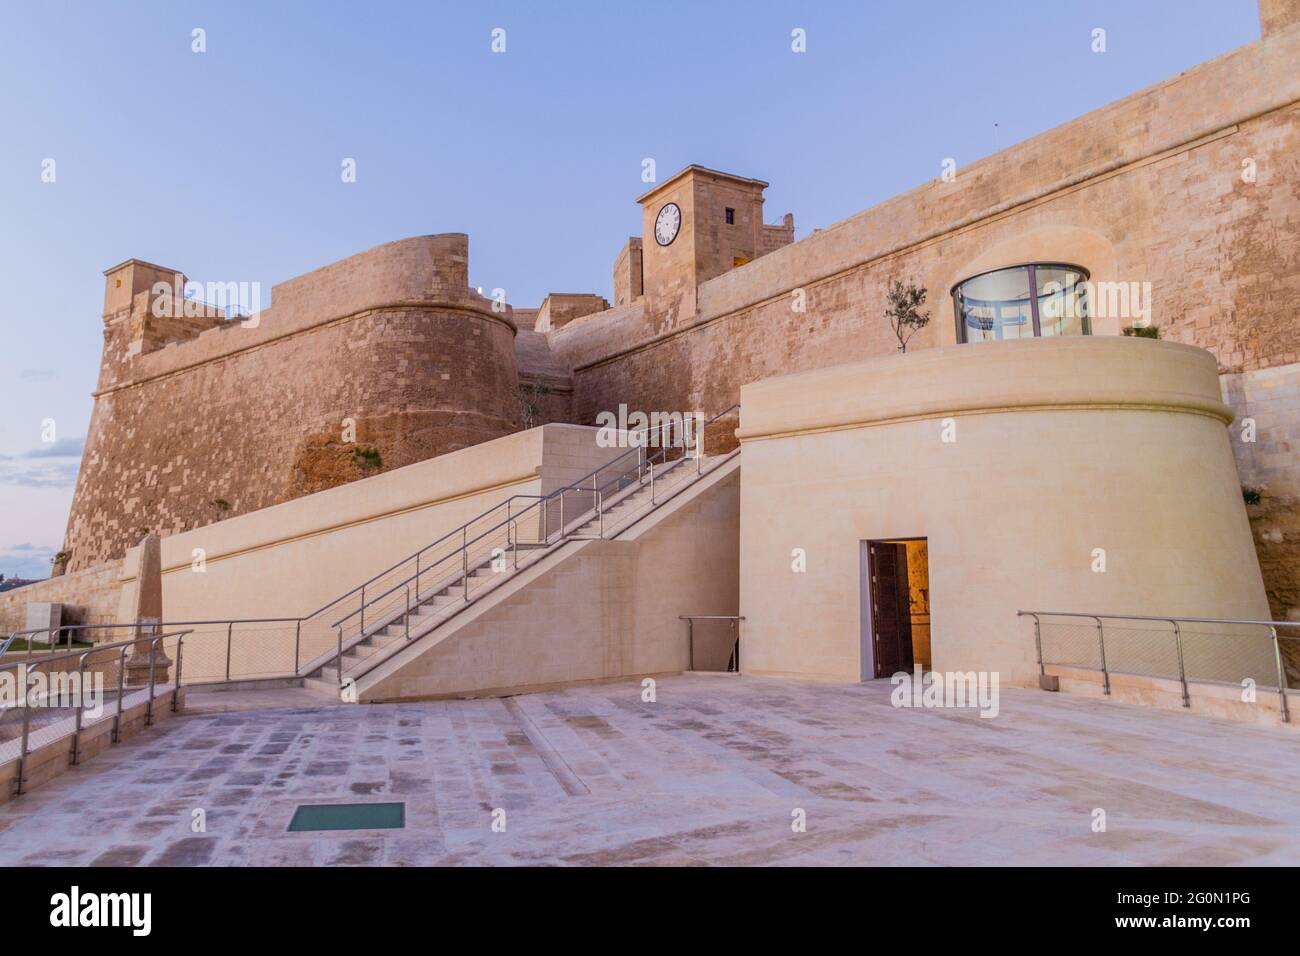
pixel 148 614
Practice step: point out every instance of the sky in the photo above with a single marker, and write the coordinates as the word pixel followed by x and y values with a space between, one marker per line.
pixel 227 164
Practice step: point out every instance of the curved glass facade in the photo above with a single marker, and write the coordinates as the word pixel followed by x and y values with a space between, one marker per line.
pixel 1021 302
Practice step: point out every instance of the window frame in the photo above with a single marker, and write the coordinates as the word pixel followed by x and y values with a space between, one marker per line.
pixel 1032 268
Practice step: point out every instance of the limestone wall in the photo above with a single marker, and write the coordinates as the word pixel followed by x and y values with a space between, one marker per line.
pixel 288 559
pixel 391 342
pixel 1266 443
pixel 1059 447
pixel 1147 189
pixel 89 596
pixel 599 610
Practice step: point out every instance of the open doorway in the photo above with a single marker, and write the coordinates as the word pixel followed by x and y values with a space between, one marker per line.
pixel 895 606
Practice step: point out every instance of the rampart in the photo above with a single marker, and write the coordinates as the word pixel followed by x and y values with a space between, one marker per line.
pixel 380 360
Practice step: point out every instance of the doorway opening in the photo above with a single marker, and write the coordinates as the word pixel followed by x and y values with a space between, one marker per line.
pixel 895 606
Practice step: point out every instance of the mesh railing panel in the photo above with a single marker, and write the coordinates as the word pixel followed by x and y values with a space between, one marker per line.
pixel 1227 653
pixel 237 651
pixel 1140 647
pixel 1071 643
pixel 712 644
pixel 1231 653
pixel 59 688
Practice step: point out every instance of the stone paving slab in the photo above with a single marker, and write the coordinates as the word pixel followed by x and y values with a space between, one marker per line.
pixel 709 774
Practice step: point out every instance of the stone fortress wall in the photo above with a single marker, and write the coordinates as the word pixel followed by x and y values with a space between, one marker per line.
pixel 211 424
pixel 1149 189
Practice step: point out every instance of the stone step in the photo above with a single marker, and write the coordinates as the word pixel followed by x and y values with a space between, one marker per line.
pixel 324 688
pixel 437 605
pixel 369 650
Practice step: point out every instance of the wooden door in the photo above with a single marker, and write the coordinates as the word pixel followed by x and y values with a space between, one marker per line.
pixel 891 608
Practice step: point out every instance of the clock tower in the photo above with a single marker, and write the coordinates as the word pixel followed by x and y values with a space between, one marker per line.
pixel 697 225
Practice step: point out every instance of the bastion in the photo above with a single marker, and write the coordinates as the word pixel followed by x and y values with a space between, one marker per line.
pixel 380 360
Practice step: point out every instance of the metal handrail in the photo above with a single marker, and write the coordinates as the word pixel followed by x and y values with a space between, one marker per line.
pixel 735 619
pixel 131 624
pixel 538 503
pixel 98 647
pixel 28 666
pixel 513 519
pixel 463 550
pixel 1178 643
pixel 412 556
pixel 1164 619
pixel 575 485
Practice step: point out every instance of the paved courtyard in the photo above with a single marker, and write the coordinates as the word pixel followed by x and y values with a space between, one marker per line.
pixel 711 773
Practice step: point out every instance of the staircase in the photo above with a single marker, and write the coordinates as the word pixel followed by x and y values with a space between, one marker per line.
pixel 517 536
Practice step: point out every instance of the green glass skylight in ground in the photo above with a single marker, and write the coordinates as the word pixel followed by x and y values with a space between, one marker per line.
pixel 348 816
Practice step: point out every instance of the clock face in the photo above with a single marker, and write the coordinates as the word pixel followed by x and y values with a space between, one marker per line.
pixel 667 223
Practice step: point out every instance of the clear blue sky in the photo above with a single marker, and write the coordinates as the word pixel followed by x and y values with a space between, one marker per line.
pixel 226 164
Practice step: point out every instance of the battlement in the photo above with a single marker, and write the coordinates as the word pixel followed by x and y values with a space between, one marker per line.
pixel 379 360
pixel 561 308
pixel 151 331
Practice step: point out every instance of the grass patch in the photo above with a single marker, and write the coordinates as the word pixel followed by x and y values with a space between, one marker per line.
pixel 20 644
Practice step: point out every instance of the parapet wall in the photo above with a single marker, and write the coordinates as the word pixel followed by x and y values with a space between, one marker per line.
pixel 89 597
pixel 387 353
pixel 1022 464
pixel 295 556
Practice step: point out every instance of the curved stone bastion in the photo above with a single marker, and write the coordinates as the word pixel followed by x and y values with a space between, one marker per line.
pixel 1073 474
pixel 380 360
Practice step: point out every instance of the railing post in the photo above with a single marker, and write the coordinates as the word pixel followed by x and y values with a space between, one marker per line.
pixel 27 725
pixel 1101 644
pixel 1281 675
pixel 652 482
pixel 464 569
pixel 516 540
pixel 153 654
pixel 176 693
pixel 81 703
pixel 121 693
pixel 699 456
pixel 363 612
pixel 297 646
pixel 338 660
pixel 561 514
pixel 1182 670
pixel 230 634
pixel 600 513
pixel 690 643
pixel 408 612
pixel 417 575
pixel 1038 646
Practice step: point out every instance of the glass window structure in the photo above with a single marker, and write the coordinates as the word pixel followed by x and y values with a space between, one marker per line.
pixel 1023 301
